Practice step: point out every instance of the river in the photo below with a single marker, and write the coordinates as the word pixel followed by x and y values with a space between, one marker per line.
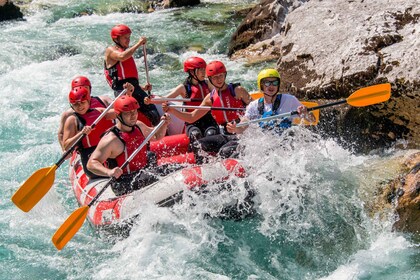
pixel 310 222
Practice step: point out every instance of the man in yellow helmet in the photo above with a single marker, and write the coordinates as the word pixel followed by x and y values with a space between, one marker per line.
pixel 272 103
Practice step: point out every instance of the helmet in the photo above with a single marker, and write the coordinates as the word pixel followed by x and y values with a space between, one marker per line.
pixel 125 104
pixel 79 94
pixel 80 81
pixel 119 30
pixel 194 62
pixel 267 73
pixel 214 68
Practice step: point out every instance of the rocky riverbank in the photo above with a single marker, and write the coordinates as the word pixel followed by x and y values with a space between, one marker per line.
pixel 324 51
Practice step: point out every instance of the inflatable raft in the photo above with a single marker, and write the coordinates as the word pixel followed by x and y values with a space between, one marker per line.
pixel 111 209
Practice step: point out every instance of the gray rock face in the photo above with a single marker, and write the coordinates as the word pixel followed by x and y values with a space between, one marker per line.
pixel 328 49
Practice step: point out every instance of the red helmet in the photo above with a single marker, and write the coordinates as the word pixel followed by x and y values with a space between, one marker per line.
pixel 119 30
pixel 214 68
pixel 80 81
pixel 79 94
pixel 125 104
pixel 194 62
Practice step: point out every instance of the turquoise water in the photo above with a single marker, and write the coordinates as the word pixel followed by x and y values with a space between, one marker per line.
pixel 310 220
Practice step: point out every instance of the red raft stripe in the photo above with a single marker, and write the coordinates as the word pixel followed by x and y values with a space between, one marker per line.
pixel 193 177
pixel 187 158
pixel 233 166
pixel 170 145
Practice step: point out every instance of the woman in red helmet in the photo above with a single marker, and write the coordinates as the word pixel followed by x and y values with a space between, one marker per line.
pixel 223 95
pixel 196 87
pixel 117 145
pixel 102 101
pixel 79 122
pixel 120 68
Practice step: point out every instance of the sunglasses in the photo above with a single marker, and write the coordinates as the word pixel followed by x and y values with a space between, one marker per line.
pixel 271 83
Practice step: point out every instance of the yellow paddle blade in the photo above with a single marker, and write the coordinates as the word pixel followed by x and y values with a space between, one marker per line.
pixel 70 227
pixel 34 188
pixel 314 112
pixel 370 95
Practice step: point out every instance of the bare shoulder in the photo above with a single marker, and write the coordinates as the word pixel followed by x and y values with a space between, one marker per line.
pixel 242 93
pixel 106 99
pixel 143 127
pixel 67 113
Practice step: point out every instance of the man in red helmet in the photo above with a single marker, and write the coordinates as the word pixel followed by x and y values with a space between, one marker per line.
pixel 102 101
pixel 80 121
pixel 196 87
pixel 120 68
pixel 117 145
pixel 223 95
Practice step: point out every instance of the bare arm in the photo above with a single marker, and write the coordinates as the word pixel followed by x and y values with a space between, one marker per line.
pixel 106 100
pixel 112 56
pixel 179 90
pixel 146 130
pixel 189 117
pixel 70 132
pixel 242 93
pixel 232 128
pixel 109 147
pixel 60 132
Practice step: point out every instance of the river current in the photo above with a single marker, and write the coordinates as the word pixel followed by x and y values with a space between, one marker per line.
pixel 310 218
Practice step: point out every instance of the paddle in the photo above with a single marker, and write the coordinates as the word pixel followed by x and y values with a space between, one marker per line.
pixel 159 100
pixel 360 98
pixel 40 182
pixel 73 223
pixel 146 67
pixel 207 108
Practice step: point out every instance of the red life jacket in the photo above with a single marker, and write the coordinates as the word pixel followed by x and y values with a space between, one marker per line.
pixel 94 136
pixel 195 91
pixel 226 100
pixel 121 70
pixel 131 140
pixel 96 102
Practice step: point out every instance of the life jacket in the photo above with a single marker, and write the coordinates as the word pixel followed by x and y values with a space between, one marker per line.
pixel 131 140
pixel 94 136
pixel 195 91
pixel 121 71
pixel 96 102
pixel 284 123
pixel 227 100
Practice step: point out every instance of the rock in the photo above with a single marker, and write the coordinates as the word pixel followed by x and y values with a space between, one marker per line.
pixel 328 49
pixel 9 11
pixel 407 192
pixel 263 22
pixel 166 4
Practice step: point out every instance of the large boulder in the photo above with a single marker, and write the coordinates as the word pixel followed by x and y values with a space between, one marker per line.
pixel 402 195
pixel 326 50
pixel 262 23
pixel 9 11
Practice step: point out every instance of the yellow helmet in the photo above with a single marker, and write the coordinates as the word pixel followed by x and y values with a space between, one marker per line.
pixel 267 73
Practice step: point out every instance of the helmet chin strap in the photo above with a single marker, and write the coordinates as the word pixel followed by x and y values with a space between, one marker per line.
pixel 118 44
pixel 273 97
pixel 123 122
pixel 194 75
pixel 218 88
